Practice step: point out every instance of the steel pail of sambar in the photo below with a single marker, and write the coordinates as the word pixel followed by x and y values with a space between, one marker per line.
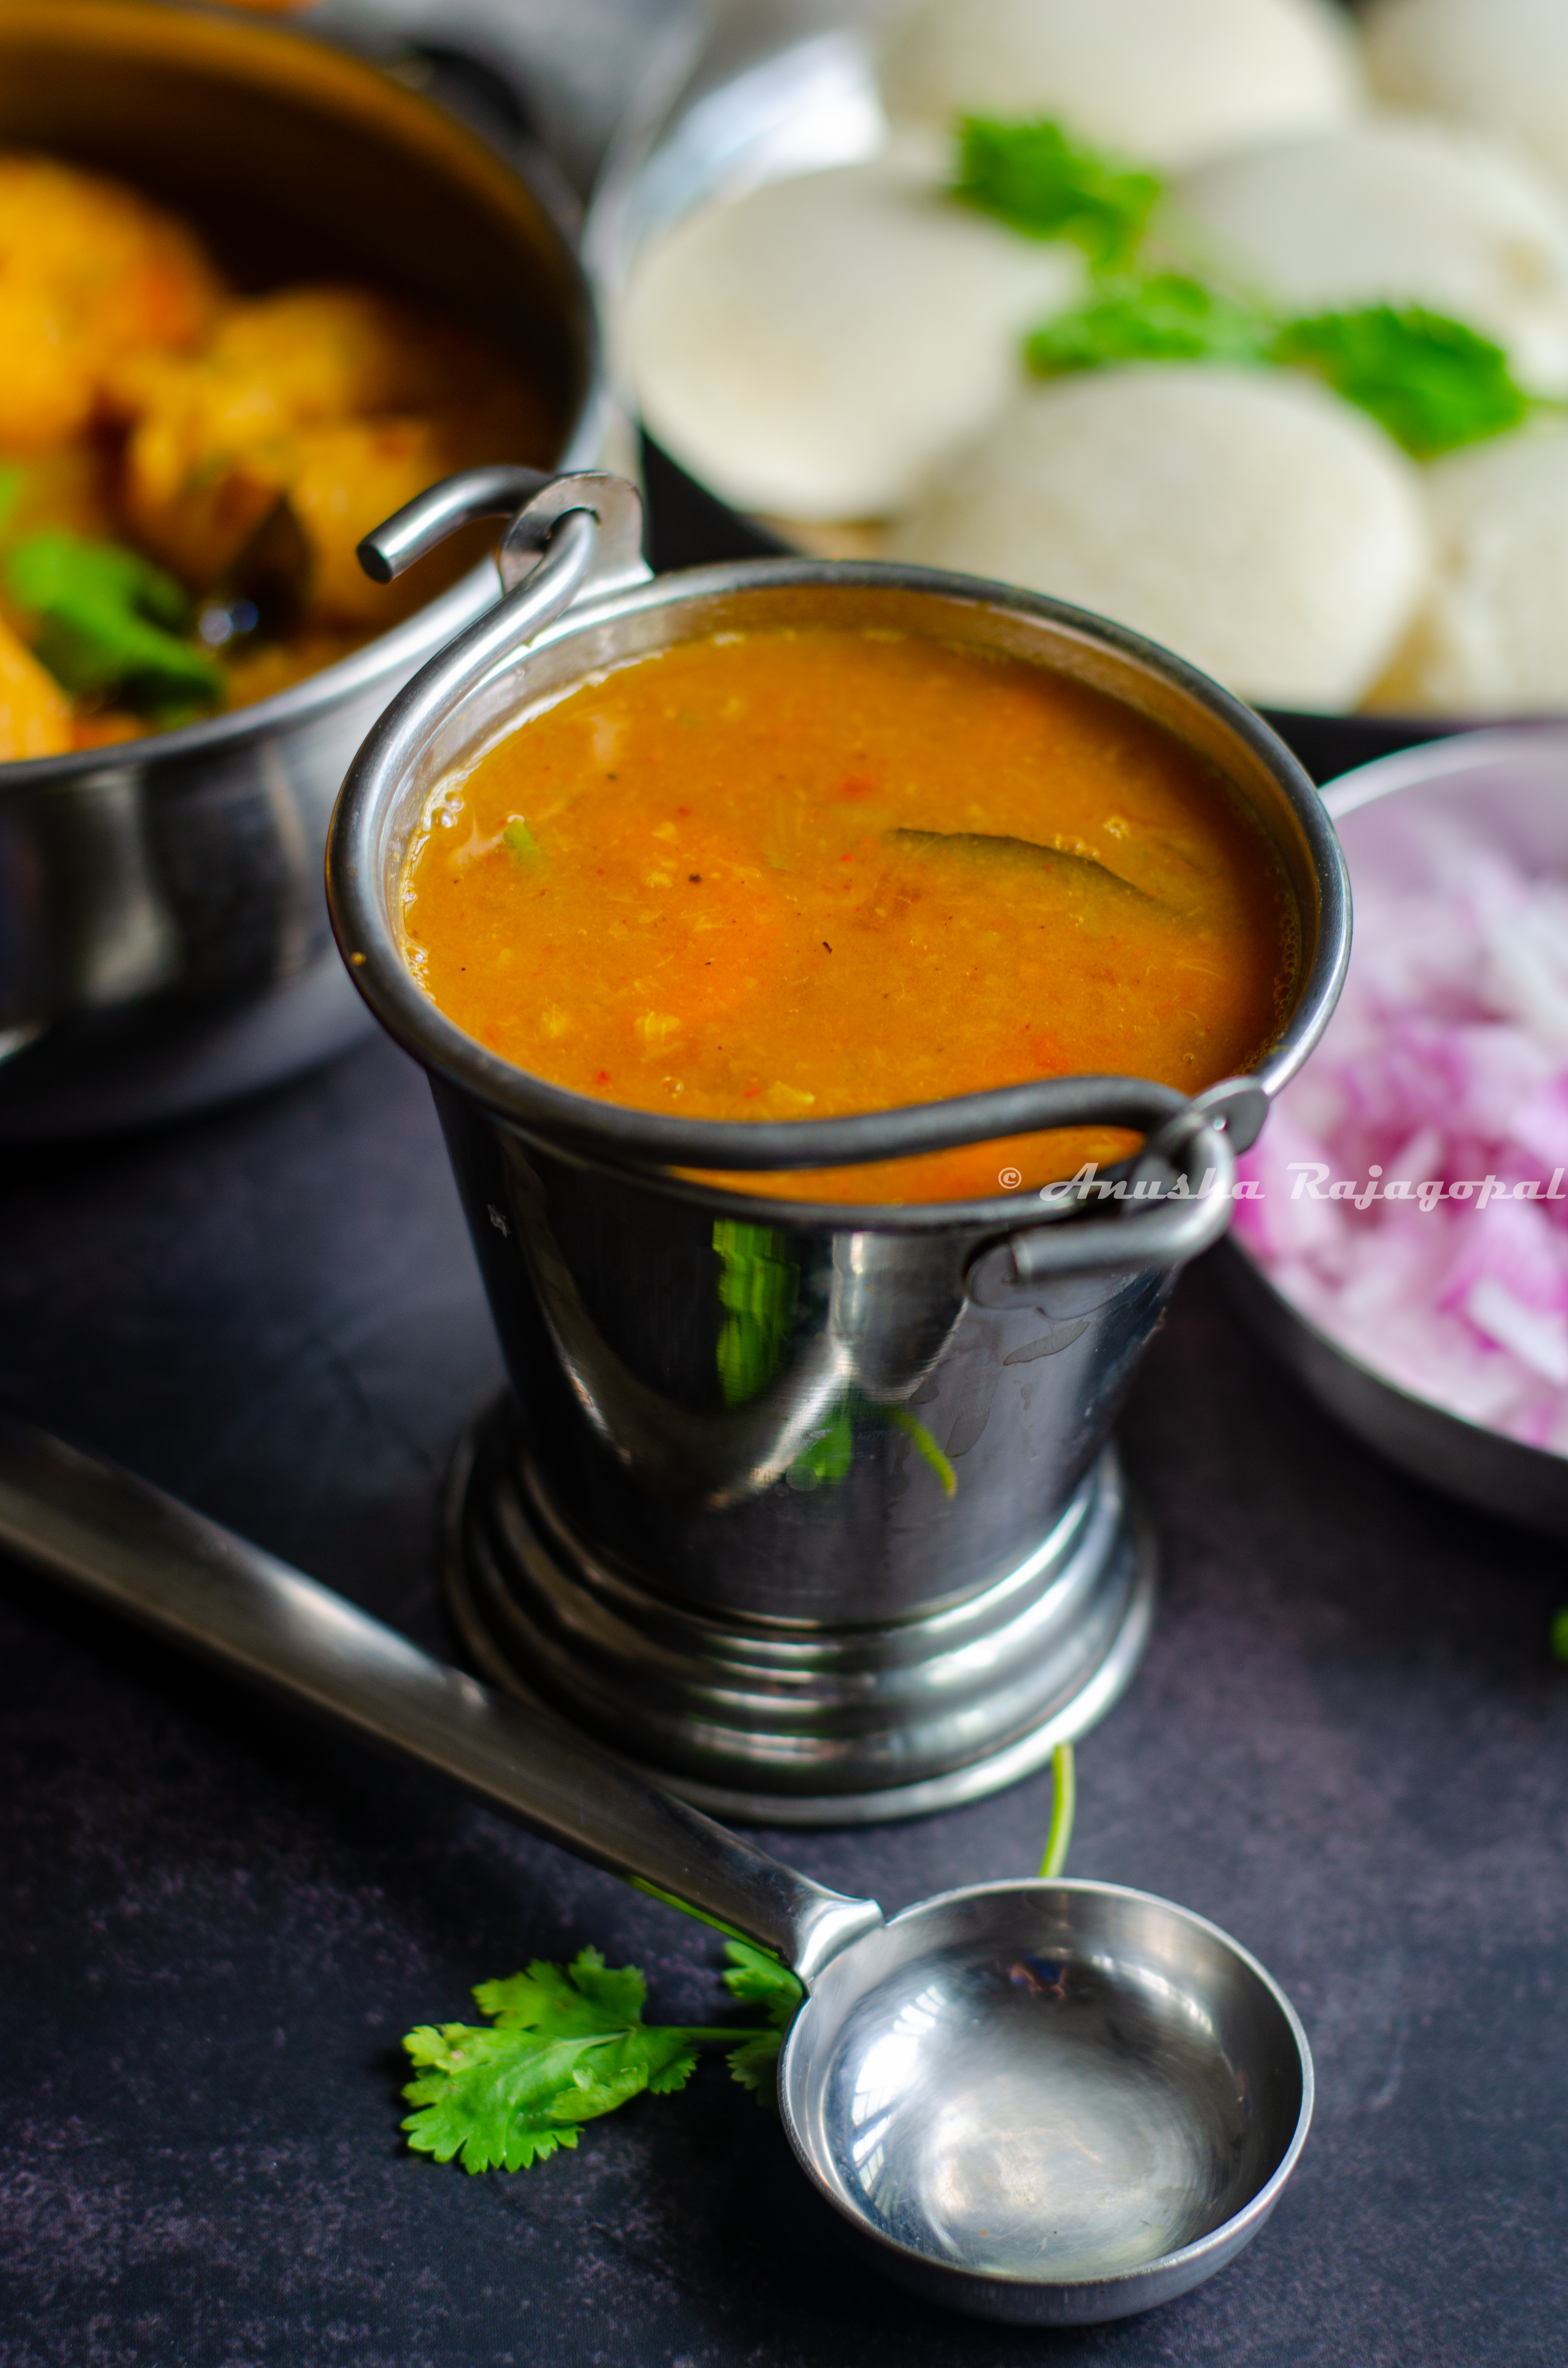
pixel 899 1564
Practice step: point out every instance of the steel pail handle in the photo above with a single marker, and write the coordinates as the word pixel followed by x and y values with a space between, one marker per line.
pixel 1154 1227
pixel 571 537
pixel 543 553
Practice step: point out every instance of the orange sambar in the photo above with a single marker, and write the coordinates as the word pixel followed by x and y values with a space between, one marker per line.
pixel 800 871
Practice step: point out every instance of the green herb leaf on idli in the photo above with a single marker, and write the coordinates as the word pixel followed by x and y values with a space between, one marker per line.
pixel 1164 316
pixel 1431 381
pixel 1034 176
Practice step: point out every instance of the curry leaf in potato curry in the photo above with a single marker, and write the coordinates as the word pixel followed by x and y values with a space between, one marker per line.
pixel 107 620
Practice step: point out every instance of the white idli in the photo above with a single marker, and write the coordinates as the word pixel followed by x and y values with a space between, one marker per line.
pixel 1492 636
pixel 813 347
pixel 1397 213
pixel 1164 81
pixel 1499 64
pixel 1245 518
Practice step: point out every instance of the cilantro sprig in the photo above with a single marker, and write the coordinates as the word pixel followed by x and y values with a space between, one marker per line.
pixel 110 622
pixel 1159 316
pixel 1433 383
pixel 566 2043
pixel 1036 179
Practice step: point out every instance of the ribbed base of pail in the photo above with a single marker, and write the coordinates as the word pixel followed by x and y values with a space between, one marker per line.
pixel 787 1723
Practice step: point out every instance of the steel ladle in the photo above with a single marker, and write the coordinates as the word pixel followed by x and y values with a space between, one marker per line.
pixel 1048 2102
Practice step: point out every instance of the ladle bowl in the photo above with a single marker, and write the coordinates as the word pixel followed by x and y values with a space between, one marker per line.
pixel 1047 2102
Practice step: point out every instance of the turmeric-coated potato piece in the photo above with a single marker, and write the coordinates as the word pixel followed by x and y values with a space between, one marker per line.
pixel 193 496
pixel 221 436
pixel 35 715
pixel 351 477
pixel 89 273
pixel 346 353
pixel 307 356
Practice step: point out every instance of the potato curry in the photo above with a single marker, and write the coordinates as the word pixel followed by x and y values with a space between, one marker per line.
pixel 802 871
pixel 185 470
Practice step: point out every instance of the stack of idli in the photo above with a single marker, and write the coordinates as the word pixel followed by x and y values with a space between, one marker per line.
pixel 1500 65
pixel 1491 635
pixel 1246 518
pixel 1169 80
pixel 1397 211
pixel 846 346
pixel 813 348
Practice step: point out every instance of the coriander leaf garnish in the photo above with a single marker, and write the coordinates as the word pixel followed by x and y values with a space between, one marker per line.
pixel 925 1447
pixel 110 621
pixel 566 2043
pixel 490 2097
pixel 1431 381
pixel 1034 176
pixel 760 1980
pixel 518 840
pixel 755 2063
pixel 1063 1806
pixel 758 1281
pixel 1164 316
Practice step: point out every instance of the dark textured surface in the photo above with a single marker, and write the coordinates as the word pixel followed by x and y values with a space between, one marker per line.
pixel 1348 1745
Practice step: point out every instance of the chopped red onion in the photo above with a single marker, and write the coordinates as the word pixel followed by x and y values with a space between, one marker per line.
pixel 1415 1177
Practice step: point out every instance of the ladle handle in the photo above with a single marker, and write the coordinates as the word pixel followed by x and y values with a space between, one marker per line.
pixel 129 1546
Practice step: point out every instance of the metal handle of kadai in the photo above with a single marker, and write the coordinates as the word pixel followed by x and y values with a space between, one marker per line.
pixel 129 1546
pixel 578 537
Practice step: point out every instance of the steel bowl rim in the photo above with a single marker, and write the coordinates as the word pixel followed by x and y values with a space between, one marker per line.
pixel 413 639
pixel 1430 762
pixel 649 1141
pixel 1242 2224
